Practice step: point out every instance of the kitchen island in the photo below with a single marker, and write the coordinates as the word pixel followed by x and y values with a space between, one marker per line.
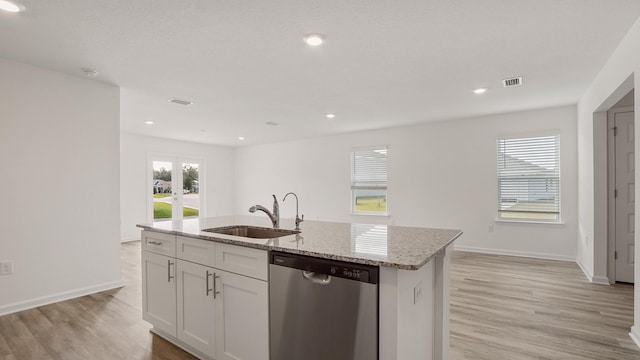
pixel 413 279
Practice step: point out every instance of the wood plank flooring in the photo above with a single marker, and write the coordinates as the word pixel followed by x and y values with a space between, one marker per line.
pixel 106 325
pixel 501 308
pixel 517 308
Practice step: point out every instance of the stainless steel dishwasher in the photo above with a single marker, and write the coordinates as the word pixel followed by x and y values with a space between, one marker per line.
pixel 322 309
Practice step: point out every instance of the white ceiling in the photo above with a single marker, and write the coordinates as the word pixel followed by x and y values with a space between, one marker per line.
pixel 385 62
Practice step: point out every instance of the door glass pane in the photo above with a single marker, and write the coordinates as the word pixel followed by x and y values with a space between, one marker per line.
pixel 190 190
pixel 162 199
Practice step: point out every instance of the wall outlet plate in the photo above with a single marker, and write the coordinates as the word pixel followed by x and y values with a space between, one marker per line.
pixel 417 293
pixel 6 267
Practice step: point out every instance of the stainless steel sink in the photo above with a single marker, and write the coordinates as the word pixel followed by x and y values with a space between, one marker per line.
pixel 251 231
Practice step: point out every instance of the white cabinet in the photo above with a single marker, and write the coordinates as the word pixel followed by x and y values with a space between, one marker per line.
pixel 159 291
pixel 196 307
pixel 242 318
pixel 243 260
pixel 197 251
pixel 159 243
pixel 210 298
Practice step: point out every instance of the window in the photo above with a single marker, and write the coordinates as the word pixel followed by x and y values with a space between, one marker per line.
pixel 529 179
pixel 369 180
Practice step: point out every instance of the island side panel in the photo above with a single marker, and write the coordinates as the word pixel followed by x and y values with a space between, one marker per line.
pixel 407 321
pixel 388 314
pixel 442 279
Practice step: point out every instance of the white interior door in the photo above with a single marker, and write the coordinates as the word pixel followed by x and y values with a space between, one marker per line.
pixel 175 188
pixel 624 196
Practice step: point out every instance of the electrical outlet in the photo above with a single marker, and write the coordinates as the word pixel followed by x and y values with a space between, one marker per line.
pixel 6 267
pixel 417 293
pixel 490 227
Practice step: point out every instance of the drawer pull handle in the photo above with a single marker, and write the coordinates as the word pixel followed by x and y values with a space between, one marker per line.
pixel 207 283
pixel 155 242
pixel 169 276
pixel 215 292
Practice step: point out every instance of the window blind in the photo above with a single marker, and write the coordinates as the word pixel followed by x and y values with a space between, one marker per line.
pixel 369 169
pixel 529 178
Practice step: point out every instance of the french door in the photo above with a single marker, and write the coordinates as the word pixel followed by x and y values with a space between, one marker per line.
pixel 175 189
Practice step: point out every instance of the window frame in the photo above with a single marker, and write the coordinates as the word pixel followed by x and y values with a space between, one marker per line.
pixel 556 206
pixel 354 188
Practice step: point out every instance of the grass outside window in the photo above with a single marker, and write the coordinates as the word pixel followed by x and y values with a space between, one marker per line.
pixel 162 210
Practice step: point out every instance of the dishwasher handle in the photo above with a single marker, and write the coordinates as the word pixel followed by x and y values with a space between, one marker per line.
pixel 321 279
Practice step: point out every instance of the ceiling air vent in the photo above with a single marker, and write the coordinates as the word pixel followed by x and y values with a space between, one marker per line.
pixel 181 102
pixel 515 81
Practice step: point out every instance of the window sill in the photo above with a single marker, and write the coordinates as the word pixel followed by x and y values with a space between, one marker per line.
pixel 529 222
pixel 370 214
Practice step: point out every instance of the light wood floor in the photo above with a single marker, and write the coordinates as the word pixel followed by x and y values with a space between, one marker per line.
pixel 501 308
pixel 512 308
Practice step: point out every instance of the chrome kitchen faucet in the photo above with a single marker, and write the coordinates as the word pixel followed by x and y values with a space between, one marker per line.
pixel 274 216
pixel 298 219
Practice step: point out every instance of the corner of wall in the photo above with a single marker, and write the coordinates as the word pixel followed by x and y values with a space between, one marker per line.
pixel 584 269
pixel 635 334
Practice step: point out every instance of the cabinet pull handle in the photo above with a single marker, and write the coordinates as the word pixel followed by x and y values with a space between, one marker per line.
pixel 215 292
pixel 169 276
pixel 155 242
pixel 207 283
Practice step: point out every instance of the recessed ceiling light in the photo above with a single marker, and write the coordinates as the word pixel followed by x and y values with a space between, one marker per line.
pixel 148 122
pixel 89 72
pixel 240 137
pixel 480 90
pixel 10 6
pixel 181 102
pixel 330 116
pixel 314 39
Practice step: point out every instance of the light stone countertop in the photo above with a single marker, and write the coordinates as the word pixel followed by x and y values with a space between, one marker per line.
pixel 400 247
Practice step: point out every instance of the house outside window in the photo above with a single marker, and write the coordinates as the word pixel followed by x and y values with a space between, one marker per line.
pixel 369 180
pixel 529 179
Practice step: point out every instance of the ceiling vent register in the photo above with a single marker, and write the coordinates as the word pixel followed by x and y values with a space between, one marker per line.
pixel 181 102
pixel 515 81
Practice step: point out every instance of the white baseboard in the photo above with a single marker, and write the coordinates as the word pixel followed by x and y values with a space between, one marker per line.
pixel 585 271
pixel 635 334
pixel 601 280
pixel 130 239
pixel 514 253
pixel 50 299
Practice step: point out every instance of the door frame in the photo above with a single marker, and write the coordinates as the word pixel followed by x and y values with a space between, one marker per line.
pixel 611 185
pixel 176 178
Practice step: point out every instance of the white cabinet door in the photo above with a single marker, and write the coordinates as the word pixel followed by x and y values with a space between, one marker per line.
pixel 159 291
pixel 196 306
pixel 242 318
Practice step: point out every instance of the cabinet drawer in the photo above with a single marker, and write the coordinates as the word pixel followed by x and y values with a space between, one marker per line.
pixel 242 260
pixel 198 251
pixel 159 243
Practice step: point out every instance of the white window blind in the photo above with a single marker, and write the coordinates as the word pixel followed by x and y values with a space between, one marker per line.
pixel 529 179
pixel 369 180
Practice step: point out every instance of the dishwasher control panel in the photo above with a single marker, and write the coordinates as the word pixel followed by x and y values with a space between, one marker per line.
pixel 341 269
pixel 350 273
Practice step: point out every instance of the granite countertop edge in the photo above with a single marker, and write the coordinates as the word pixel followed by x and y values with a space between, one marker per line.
pixel 251 243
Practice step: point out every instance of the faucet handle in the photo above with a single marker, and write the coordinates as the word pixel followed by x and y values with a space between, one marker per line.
pixel 298 221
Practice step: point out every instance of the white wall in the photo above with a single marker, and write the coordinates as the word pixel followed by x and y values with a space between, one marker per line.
pixel 440 175
pixel 59 138
pixel 218 175
pixel 617 77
